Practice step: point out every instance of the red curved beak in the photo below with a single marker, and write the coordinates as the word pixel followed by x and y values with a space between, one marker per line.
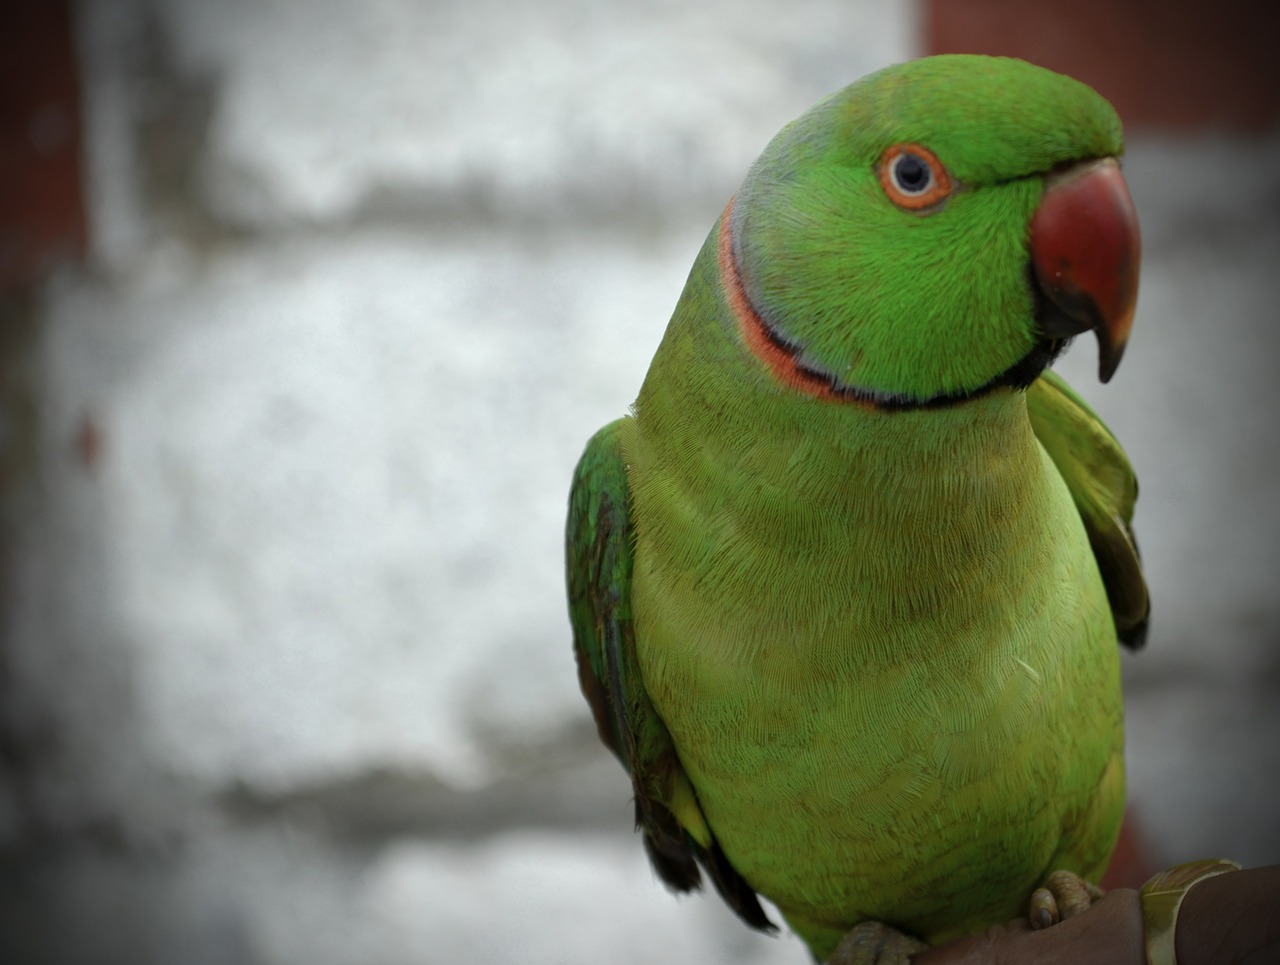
pixel 1085 251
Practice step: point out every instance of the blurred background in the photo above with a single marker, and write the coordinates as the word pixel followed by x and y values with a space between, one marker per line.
pixel 307 310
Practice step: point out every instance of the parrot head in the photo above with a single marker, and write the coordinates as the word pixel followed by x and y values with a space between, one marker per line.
pixel 935 230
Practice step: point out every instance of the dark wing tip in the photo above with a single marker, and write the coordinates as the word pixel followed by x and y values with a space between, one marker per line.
pixel 1134 637
pixel 674 865
pixel 735 891
pixel 1120 563
pixel 676 857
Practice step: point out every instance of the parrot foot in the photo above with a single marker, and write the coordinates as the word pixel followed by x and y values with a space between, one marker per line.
pixel 874 943
pixel 1063 894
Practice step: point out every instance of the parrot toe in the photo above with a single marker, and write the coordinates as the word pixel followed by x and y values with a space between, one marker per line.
pixel 874 943
pixel 1063 894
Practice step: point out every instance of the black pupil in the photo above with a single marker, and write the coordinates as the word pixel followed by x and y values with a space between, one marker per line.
pixel 911 173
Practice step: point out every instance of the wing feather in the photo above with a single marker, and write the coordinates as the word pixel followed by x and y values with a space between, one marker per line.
pixel 1103 485
pixel 599 561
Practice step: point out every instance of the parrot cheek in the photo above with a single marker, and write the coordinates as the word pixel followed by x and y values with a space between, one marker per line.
pixel 1085 251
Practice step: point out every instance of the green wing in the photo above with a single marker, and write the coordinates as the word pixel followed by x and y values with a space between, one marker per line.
pixel 1104 488
pixel 599 562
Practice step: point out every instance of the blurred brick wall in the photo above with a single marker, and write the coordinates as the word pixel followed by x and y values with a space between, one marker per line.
pixel 42 214
pixel 42 217
pixel 1164 64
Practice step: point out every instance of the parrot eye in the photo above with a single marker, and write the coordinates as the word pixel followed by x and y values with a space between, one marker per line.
pixel 913 177
pixel 911 174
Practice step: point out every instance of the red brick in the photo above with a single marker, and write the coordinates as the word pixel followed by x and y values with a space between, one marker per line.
pixel 42 214
pixel 1166 65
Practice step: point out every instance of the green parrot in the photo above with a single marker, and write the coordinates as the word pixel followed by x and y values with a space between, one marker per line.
pixel 846 586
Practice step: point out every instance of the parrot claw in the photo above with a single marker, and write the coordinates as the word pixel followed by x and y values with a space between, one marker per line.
pixel 874 943
pixel 1063 894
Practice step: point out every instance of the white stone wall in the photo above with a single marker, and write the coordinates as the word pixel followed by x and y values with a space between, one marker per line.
pixel 289 653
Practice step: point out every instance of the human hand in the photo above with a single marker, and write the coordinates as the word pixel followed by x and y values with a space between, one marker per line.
pixel 1229 918
pixel 1109 933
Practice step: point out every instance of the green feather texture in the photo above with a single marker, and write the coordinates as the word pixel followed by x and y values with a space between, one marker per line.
pixel 847 585
pixel 893 301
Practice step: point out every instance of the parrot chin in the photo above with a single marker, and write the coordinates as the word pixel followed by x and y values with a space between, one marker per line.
pixel 1085 250
pixel 1027 369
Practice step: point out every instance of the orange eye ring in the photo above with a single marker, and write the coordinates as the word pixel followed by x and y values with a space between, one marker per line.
pixel 913 177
